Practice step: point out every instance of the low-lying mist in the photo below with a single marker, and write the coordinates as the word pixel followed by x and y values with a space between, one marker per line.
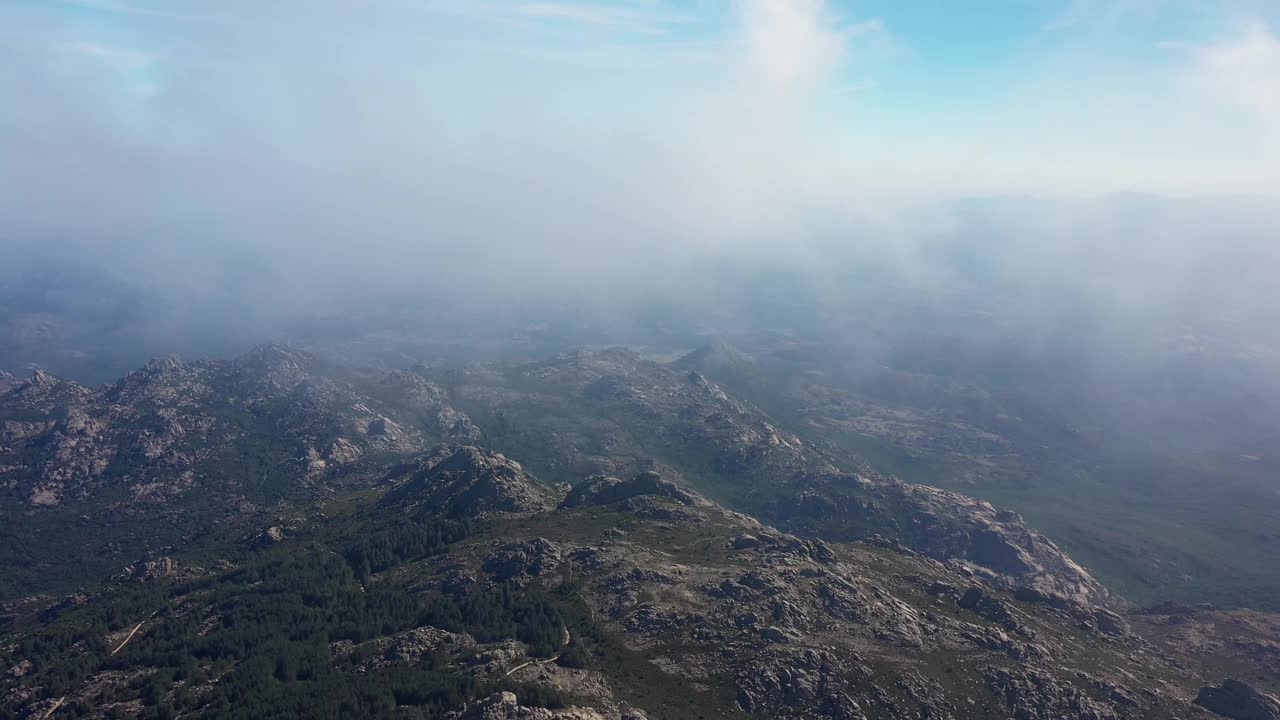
pixel 442 182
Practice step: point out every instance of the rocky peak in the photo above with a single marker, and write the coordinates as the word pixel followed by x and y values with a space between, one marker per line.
pixel 467 481
pixel 43 391
pixel 605 490
pixel 41 379
pixel 431 402
pixel 161 365
pixel 716 355
pixel 161 379
pixel 278 365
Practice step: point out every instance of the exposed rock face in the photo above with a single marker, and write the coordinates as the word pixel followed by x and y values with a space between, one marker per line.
pixel 271 536
pixel 172 427
pixel 466 481
pixel 430 403
pixel 161 567
pixel 276 366
pixel 505 706
pixel 42 380
pixel 384 427
pixel 520 560
pixel 1237 700
pixel 782 684
pixel 604 490
pixel 942 525
pixel 410 647
pixel 43 392
pixel 1035 694
pixel 343 452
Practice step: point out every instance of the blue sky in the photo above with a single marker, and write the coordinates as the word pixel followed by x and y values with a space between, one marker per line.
pixel 732 98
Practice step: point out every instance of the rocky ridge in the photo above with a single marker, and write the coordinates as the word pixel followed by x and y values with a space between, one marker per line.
pixel 171 426
pixel 611 412
pixel 174 430
pixel 680 607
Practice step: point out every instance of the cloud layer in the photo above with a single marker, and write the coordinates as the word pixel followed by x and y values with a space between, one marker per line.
pixel 298 155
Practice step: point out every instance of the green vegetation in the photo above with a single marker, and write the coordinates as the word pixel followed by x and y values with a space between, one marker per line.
pixel 263 632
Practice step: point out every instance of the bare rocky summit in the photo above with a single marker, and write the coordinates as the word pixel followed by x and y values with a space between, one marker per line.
pixel 469 482
pixel 604 490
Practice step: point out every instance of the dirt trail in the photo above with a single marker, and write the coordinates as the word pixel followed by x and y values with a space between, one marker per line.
pixel 129 637
pixel 56 705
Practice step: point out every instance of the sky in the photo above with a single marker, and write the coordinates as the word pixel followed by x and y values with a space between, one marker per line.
pixel 299 144
pixel 990 96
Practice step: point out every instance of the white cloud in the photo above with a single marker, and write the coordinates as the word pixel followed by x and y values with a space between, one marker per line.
pixel 793 44
pixel 1245 71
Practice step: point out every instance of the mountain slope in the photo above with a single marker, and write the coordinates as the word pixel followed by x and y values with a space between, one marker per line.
pixel 634 598
pixel 185 445
pixel 613 412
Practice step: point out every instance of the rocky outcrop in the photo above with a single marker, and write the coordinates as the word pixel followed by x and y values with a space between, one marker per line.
pixel 343 452
pixel 276 366
pixel 524 559
pixel 42 380
pixel 160 567
pixel 605 490
pixel 505 706
pixel 1239 701
pixel 781 684
pixel 43 393
pixel 408 648
pixel 468 482
pixel 271 536
pixel 1037 694
pixel 170 427
pixel 996 544
pixel 429 402
pixel 807 629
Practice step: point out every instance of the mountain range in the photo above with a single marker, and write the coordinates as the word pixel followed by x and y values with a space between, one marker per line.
pixel 593 535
